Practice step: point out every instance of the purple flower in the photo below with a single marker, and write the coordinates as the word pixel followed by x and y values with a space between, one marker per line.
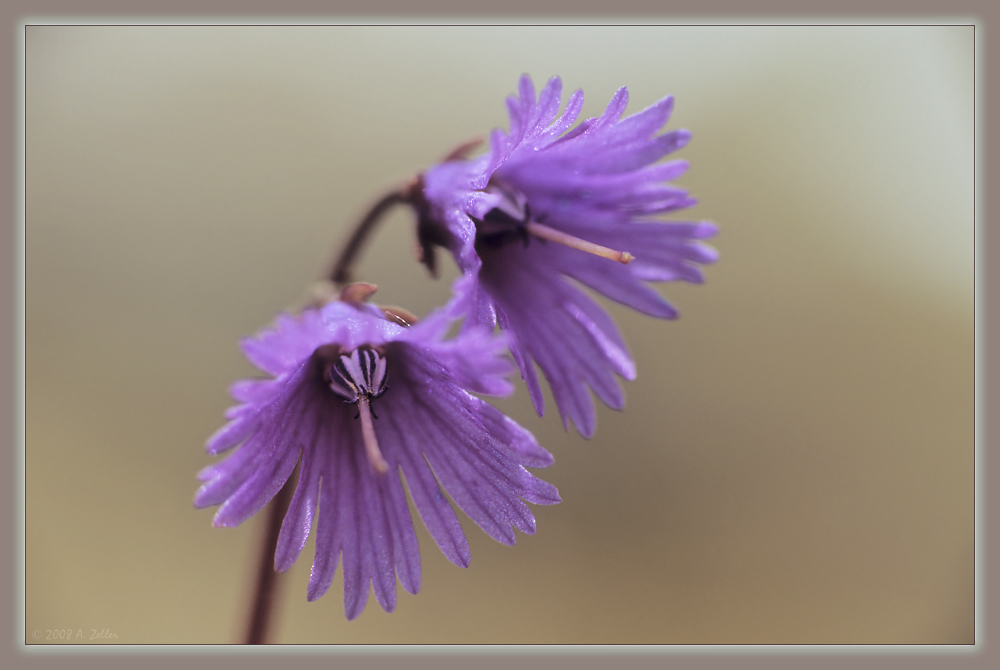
pixel 333 370
pixel 545 206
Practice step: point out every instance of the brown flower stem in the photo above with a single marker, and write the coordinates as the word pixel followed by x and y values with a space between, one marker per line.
pixel 261 612
pixel 342 269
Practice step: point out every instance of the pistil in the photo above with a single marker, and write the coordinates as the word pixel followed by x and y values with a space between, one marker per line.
pixel 544 232
pixel 374 454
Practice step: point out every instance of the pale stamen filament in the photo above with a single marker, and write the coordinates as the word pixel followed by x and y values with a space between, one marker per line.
pixel 552 235
pixel 374 454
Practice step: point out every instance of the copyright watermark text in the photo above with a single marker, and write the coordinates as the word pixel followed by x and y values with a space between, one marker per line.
pixel 72 635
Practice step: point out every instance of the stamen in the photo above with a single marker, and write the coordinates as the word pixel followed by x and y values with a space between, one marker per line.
pixel 511 218
pixel 552 235
pixel 359 378
pixel 375 458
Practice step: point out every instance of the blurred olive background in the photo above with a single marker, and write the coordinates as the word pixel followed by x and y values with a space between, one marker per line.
pixel 795 464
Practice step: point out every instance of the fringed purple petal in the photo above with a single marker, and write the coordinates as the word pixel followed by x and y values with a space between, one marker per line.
pixel 500 147
pixel 659 273
pixel 557 181
pixel 474 360
pixel 487 460
pixel 265 357
pixel 281 349
pixel 491 443
pixel 434 509
pixel 642 124
pixel 478 464
pixel 302 510
pixel 559 361
pixel 480 313
pixel 576 132
pixel 222 479
pixel 548 104
pixel 631 157
pixel 509 432
pixel 602 328
pixel 255 492
pixel 278 350
pixel 269 441
pixel 591 370
pixel 586 154
pixel 517 122
pixel 406 551
pixel 255 390
pixel 351 536
pixel 525 365
pixel 481 501
pixel 526 95
pixel 569 115
pixel 335 498
pixel 233 432
pixel 614 281
pixel 614 110
pixel 574 342
pixel 379 557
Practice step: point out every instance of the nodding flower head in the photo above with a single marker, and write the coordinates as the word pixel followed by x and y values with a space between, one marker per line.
pixel 547 204
pixel 328 369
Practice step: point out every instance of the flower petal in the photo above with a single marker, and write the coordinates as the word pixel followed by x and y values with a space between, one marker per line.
pixel 434 509
pixel 298 521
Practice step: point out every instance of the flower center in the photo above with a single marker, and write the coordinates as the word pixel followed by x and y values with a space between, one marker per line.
pixel 511 220
pixel 358 375
pixel 358 378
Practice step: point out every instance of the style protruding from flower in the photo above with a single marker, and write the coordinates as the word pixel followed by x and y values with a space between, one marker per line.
pixel 359 398
pixel 548 205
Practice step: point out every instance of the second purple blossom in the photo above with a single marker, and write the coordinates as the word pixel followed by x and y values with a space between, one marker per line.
pixel 550 207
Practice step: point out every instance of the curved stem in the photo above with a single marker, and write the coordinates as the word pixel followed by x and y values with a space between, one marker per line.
pixel 342 269
pixel 267 577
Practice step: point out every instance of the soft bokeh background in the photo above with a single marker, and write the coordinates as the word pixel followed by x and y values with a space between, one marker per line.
pixel 795 464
